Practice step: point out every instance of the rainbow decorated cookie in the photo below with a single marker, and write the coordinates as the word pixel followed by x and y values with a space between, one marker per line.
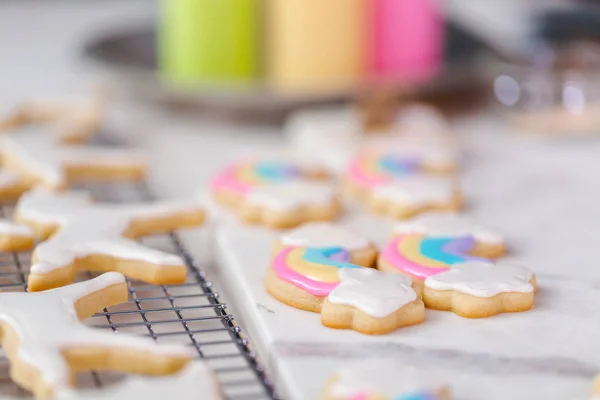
pixel 489 243
pixel 384 380
pixel 390 159
pixel 330 281
pixel 430 244
pixel 477 289
pixel 277 191
pixel 414 194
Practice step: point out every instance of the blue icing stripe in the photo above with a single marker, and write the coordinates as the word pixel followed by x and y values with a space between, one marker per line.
pixel 274 171
pixel 332 256
pixel 417 396
pixel 447 250
pixel 397 165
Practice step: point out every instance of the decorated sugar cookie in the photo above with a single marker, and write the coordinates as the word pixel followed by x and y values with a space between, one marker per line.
pixel 70 120
pixel 193 382
pixel 430 244
pixel 279 191
pixel 289 204
pixel 36 157
pixel 385 160
pixel 372 302
pixel 328 234
pixel 415 194
pixel 331 279
pixel 384 380
pixel 477 289
pixel 82 235
pixel 46 344
pixel 488 242
pixel 15 237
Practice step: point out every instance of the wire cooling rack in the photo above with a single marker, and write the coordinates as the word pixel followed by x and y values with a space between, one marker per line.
pixel 189 313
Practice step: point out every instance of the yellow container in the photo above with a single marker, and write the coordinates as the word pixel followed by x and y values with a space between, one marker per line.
pixel 315 44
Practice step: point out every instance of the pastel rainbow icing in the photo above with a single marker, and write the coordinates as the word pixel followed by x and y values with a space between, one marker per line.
pixel 422 256
pixel 244 176
pixel 374 168
pixel 315 270
pixel 409 396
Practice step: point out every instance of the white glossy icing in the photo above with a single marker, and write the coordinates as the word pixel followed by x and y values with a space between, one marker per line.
pixel 448 225
pixel 47 324
pixel 483 279
pixel 422 117
pixel 382 377
pixel 289 196
pixel 374 292
pixel 195 381
pixel 417 190
pixel 39 153
pixel 87 228
pixel 10 228
pixel 324 234
pixel 8 178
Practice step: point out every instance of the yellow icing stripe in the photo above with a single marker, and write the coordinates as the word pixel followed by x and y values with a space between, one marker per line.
pixel 317 272
pixel 410 248
pixel 247 175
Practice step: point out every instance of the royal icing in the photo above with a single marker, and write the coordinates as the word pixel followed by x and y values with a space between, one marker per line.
pixel 46 324
pixel 252 172
pixel 289 196
pixel 314 270
pixel 375 293
pixel 422 256
pixel 448 225
pixel 195 381
pixel 385 160
pixel 8 178
pixel 483 279
pixel 87 228
pixel 385 380
pixel 42 156
pixel 422 117
pixel 417 190
pixel 8 227
pixel 324 234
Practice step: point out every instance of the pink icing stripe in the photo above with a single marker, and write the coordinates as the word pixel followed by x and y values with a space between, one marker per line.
pixel 226 181
pixel 359 396
pixel 360 176
pixel 392 255
pixel 283 271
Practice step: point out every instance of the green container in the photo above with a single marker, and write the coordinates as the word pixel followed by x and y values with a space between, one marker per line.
pixel 208 41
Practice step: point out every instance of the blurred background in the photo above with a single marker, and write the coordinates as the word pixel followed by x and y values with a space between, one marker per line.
pixel 258 59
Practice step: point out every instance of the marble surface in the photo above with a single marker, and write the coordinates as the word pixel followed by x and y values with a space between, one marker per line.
pixel 544 197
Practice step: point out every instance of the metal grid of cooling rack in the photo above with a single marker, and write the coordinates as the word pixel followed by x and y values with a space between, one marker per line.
pixel 188 313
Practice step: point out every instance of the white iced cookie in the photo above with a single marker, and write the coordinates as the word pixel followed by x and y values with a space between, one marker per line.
pixel 289 204
pixel 46 342
pixel 384 379
pixel 334 134
pixel 418 118
pixel 35 155
pixel 477 289
pixel 71 120
pixel 489 242
pixel 372 302
pixel 414 194
pixel 194 381
pixel 325 234
pixel 82 235
pixel 14 236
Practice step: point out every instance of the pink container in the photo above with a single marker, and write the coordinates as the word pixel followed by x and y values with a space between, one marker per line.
pixel 406 39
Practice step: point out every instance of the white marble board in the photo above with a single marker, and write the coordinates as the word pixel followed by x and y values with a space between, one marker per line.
pixel 546 198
